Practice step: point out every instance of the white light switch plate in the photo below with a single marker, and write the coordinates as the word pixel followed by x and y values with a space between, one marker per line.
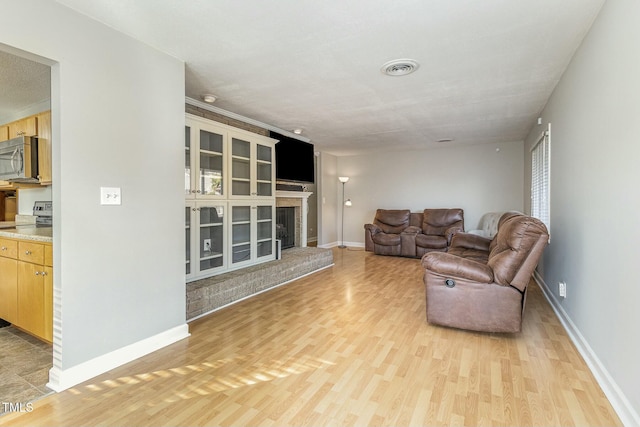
pixel 110 196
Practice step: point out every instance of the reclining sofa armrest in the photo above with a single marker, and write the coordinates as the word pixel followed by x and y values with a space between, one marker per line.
pixel 470 241
pixel 370 230
pixel 408 241
pixel 452 266
pixel 451 231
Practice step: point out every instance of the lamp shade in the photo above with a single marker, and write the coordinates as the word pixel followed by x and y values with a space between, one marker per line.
pixel 343 179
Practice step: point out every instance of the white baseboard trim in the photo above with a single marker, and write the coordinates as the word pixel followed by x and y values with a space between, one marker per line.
pixel 62 379
pixel 336 244
pixel 627 414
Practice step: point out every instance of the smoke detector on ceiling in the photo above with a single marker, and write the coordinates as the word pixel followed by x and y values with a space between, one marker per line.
pixel 209 98
pixel 399 67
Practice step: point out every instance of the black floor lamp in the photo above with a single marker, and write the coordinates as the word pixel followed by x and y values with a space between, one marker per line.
pixel 343 180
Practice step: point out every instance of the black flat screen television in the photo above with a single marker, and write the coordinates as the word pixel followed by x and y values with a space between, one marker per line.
pixel 294 159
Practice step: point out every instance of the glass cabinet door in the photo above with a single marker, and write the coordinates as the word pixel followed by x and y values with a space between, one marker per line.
pixel 188 189
pixel 264 168
pixel 187 227
pixel 211 164
pixel 240 234
pixel 211 237
pixel 240 167
pixel 265 224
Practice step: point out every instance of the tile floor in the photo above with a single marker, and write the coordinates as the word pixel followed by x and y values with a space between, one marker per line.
pixel 24 367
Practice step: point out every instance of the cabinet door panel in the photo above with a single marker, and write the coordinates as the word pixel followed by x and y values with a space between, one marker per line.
pixel 26 127
pixel 44 147
pixel 188 209
pixel 4 133
pixel 9 289
pixel 31 307
pixel 188 186
pixel 211 170
pixel 206 238
pixel 48 304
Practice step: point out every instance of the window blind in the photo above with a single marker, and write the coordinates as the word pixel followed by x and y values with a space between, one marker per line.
pixel 540 170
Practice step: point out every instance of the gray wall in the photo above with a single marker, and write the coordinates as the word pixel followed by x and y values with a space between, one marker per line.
pixel 327 191
pixel 595 145
pixel 478 179
pixel 118 121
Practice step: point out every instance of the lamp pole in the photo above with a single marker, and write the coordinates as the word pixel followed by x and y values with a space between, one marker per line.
pixel 343 180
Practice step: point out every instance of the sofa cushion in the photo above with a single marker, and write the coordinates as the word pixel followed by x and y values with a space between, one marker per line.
pixel 474 254
pixel 392 221
pixel 437 221
pixel 385 239
pixel 505 216
pixel 431 242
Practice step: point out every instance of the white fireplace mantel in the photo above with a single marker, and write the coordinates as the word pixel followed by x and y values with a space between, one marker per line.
pixel 304 202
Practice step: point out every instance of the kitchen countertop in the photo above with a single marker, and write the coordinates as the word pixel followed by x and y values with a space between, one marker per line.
pixel 28 232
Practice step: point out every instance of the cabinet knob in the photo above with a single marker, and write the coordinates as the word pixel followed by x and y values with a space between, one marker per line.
pixel 193 191
pixel 193 209
pixel 43 273
pixel 37 273
pixel 4 248
pixel 197 191
pixel 27 252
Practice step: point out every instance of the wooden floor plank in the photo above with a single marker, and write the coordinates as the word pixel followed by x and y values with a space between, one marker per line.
pixel 349 345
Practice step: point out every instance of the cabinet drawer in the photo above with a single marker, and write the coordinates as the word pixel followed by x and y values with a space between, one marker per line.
pixel 31 252
pixel 8 248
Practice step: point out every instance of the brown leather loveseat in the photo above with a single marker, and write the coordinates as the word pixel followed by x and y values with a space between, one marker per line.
pixel 403 233
pixel 481 284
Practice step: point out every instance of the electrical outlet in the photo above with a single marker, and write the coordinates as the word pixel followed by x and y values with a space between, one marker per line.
pixel 206 245
pixel 562 289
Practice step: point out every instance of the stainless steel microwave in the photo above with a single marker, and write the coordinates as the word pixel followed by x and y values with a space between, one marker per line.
pixel 19 159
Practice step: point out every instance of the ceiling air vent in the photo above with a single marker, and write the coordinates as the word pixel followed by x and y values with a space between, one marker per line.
pixel 400 67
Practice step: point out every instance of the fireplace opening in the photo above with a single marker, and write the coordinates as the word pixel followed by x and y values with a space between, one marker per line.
pixel 286 226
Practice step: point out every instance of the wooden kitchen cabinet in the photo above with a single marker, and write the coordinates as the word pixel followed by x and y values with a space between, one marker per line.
pixel 26 286
pixel 4 132
pixel 24 127
pixel 31 252
pixel 31 298
pixel 8 280
pixel 44 147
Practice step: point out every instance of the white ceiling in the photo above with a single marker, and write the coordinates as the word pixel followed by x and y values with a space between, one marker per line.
pixel 487 67
pixel 23 83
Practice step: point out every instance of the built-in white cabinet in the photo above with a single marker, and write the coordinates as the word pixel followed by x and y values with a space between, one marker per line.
pixel 205 147
pixel 205 237
pixel 252 168
pixel 252 232
pixel 230 198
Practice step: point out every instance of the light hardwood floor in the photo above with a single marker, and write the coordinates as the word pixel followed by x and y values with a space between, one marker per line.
pixel 345 346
